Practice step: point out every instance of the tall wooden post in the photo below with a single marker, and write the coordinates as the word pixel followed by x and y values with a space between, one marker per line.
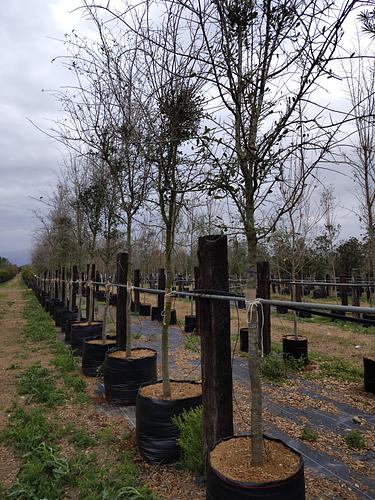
pixel 196 286
pixel 75 288
pixel 63 286
pixel 161 286
pixel 45 276
pixel 87 294
pixel 122 297
pixel 56 291
pixel 214 330
pixel 137 283
pixel 264 292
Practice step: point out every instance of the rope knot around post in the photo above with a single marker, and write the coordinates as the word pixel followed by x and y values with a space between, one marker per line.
pixel 257 304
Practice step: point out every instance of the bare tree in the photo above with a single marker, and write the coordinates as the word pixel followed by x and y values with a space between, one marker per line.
pixel 360 78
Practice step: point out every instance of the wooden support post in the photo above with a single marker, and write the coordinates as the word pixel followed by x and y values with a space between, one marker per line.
pixel 263 291
pixel 214 329
pixel 137 283
pixel 56 290
pixel 45 276
pixel 75 288
pixel 122 297
pixel 196 285
pixel 161 286
pixel 87 294
pixel 63 286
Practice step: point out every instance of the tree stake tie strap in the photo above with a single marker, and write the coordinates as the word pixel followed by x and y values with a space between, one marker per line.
pixel 250 304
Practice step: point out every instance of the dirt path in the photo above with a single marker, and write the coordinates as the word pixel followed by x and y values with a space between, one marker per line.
pixel 12 358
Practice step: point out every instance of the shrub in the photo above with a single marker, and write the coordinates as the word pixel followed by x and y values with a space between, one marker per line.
pixel 355 439
pixel 308 434
pixel 190 425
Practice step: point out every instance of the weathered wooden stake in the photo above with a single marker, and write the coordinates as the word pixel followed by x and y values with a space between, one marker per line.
pixel 264 292
pixel 122 297
pixel 137 283
pixel 56 291
pixel 75 288
pixel 63 286
pixel 214 329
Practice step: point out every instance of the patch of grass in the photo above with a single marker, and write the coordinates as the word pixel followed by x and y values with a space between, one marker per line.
pixel 38 384
pixel 74 382
pixel 309 434
pixel 355 439
pixel 192 342
pixel 81 439
pixel 334 368
pixel 38 322
pixel 273 367
pixel 136 335
pixel 41 476
pixel 26 429
pixel 64 360
pixel 190 441
pixel 13 366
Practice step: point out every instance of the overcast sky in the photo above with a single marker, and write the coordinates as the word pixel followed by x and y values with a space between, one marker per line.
pixel 29 160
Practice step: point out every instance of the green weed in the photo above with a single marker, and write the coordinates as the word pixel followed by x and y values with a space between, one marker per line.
pixel 190 441
pixel 38 384
pixel 192 342
pixel 81 439
pixel 309 434
pixel 355 439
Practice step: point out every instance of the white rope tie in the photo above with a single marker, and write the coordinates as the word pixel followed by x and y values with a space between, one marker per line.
pixel 250 305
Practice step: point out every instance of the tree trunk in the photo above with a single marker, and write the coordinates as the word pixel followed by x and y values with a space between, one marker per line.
pixel 167 312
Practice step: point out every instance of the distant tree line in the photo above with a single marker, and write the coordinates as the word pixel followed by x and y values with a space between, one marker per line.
pixel 7 270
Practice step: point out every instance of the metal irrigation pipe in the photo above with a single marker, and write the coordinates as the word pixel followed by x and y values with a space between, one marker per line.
pixel 324 283
pixel 309 305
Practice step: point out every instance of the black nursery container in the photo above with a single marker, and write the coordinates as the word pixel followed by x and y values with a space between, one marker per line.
pixel 295 348
pixel 155 313
pixel 54 304
pixel 281 310
pixel 67 326
pixel 156 433
pixel 80 331
pixel 144 309
pixel 190 323
pixel 244 339
pixel 124 376
pixel 93 355
pixel 219 487
pixel 369 374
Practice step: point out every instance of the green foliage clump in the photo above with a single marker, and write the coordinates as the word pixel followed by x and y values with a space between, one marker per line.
pixel 192 342
pixel 39 385
pixel 81 438
pixel 355 439
pixel 7 270
pixel 38 323
pixel 190 441
pixel 26 430
pixel 273 367
pixel 28 272
pixel 309 434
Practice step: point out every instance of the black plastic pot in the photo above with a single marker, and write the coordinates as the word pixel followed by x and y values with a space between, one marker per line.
pixel 281 310
pixel 67 327
pixel 79 331
pixel 219 487
pixel 54 304
pixel 124 376
pixel 58 313
pixel 156 433
pixel 173 317
pixel 295 348
pixel 244 339
pixel 303 314
pixel 369 374
pixel 113 300
pixel 93 355
pixel 241 304
pixel 190 323
pixel 155 313
pixel 144 309
pixel 100 295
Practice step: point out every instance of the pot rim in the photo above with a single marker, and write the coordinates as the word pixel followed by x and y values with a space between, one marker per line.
pixel 193 382
pixel 247 484
pixel 290 336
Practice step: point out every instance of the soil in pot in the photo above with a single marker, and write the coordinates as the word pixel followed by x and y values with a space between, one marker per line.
pixel 230 475
pixel 93 354
pixel 369 374
pixel 156 433
pixel 123 376
pixel 296 348
pixel 79 331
